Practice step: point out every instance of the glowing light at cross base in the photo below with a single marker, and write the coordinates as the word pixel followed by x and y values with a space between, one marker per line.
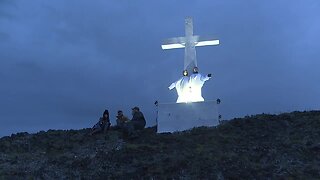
pixel 189 88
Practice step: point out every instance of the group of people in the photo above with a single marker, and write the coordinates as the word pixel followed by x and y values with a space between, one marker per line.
pixel 129 127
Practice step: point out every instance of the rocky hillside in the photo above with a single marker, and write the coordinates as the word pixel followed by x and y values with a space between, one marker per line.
pixel 256 147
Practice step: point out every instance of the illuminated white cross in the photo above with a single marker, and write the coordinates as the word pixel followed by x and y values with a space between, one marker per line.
pixel 189 42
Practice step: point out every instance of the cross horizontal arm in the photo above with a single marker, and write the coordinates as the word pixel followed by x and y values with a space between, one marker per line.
pixel 172 46
pixel 207 43
pixel 174 43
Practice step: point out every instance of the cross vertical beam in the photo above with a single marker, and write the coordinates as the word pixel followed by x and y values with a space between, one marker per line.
pixel 190 58
pixel 189 42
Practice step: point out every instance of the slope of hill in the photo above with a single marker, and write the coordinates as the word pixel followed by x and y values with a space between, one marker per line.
pixel 260 146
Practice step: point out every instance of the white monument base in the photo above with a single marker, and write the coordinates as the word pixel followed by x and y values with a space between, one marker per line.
pixel 183 116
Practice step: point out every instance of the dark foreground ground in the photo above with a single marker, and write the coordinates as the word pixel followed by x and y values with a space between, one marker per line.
pixel 285 146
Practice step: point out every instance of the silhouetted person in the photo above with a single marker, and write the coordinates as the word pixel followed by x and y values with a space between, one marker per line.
pixel 102 125
pixel 137 122
pixel 138 119
pixel 121 120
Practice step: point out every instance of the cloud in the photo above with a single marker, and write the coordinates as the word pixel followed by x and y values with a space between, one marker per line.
pixel 62 64
pixel 5 7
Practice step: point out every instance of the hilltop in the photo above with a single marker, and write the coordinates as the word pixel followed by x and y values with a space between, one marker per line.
pixel 260 146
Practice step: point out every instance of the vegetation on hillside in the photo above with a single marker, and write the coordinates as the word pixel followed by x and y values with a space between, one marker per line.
pixel 256 147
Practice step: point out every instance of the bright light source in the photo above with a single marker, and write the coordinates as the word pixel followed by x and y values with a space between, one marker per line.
pixel 208 43
pixel 190 94
pixel 172 46
pixel 190 91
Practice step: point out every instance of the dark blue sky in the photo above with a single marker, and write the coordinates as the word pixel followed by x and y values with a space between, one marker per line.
pixel 63 62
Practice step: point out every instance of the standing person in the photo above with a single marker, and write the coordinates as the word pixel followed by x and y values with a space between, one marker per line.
pixel 102 125
pixel 182 87
pixel 121 120
pixel 196 82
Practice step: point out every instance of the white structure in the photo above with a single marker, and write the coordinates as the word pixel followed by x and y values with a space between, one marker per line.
pixel 183 116
pixel 189 91
pixel 183 89
pixel 196 112
pixel 196 82
pixel 189 88
pixel 189 42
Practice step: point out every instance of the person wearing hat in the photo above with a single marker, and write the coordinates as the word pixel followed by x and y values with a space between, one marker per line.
pixel 138 119
pixel 137 122
pixel 121 120
pixel 102 125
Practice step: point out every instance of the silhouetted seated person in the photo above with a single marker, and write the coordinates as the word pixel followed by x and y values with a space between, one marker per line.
pixel 137 122
pixel 103 125
pixel 121 120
